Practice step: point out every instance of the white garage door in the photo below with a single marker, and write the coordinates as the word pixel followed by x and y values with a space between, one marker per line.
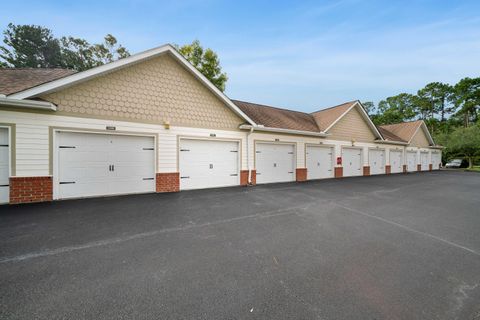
pixel 274 162
pixel 396 163
pixel 101 164
pixel 424 160
pixel 4 166
pixel 319 162
pixel 208 164
pixel 436 160
pixel 411 161
pixel 352 162
pixel 376 161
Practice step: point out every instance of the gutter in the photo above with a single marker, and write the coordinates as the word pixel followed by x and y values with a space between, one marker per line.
pixel 392 142
pixel 436 147
pixel 29 104
pixel 280 130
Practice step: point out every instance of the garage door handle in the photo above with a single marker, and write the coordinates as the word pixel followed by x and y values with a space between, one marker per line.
pixel 3 145
pixel 184 150
pixel 4 185
pixel 67 147
pixel 148 178
pixel 185 177
pixel 67 182
pixel 148 149
pixel 290 171
pixel 234 175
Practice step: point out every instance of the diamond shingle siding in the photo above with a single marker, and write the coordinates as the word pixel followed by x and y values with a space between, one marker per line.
pixel 155 91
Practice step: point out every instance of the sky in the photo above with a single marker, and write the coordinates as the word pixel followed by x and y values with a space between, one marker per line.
pixel 301 55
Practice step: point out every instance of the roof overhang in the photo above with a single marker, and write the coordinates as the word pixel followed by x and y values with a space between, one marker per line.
pixel 437 147
pixel 286 131
pixel 29 104
pixel 83 76
pixel 365 116
pixel 391 142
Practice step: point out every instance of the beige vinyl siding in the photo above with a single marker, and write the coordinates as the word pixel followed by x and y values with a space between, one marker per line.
pixel 33 132
pixel 352 126
pixel 420 139
pixel 153 91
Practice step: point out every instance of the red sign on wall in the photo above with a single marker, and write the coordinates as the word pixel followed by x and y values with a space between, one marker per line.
pixel 339 160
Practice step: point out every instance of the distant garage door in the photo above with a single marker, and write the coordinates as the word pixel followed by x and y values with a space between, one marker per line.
pixel 396 161
pixel 424 160
pixel 208 163
pixel 352 162
pixel 274 162
pixel 102 164
pixel 4 166
pixel 411 161
pixel 319 162
pixel 436 160
pixel 376 161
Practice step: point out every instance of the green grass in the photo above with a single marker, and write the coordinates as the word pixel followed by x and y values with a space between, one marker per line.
pixel 475 168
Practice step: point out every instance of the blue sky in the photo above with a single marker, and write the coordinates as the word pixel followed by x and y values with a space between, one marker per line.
pixel 300 55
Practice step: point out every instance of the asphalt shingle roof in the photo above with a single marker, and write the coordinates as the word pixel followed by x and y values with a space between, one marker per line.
pixel 13 80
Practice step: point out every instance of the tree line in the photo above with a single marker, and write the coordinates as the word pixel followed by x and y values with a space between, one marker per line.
pixel 33 46
pixel 451 112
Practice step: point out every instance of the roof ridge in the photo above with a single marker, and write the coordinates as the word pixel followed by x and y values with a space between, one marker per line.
pixel 267 106
pixel 338 105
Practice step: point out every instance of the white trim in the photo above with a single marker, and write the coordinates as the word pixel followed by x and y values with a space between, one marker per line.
pixel 391 142
pixel 281 130
pixel 122 63
pixel 30 104
pixel 364 115
pixel 10 143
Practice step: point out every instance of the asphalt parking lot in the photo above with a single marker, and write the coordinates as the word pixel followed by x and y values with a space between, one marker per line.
pixel 382 247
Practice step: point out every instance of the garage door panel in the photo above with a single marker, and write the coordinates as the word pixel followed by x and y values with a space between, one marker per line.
pixel 396 163
pixel 208 163
pixel 376 161
pixel 424 161
pixel 319 162
pixel 274 162
pixel 411 161
pixel 352 162
pixel 99 164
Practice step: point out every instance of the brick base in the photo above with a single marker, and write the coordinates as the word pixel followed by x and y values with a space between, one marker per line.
pixel 168 182
pixel 338 172
pixel 253 177
pixel 430 167
pixel 404 168
pixel 419 167
pixel 366 170
pixel 30 189
pixel 301 174
pixel 244 178
pixel 388 169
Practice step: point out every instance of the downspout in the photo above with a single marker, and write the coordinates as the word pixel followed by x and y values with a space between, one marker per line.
pixel 249 181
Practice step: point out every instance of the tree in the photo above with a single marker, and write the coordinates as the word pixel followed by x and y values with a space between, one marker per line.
pixel 463 142
pixel 35 46
pixel 30 46
pixel 466 98
pixel 80 55
pixel 369 107
pixel 396 109
pixel 433 99
pixel 206 61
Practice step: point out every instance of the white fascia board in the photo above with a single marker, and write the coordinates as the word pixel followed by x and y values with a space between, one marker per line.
pixel 391 142
pixel 122 63
pixel 281 130
pixel 30 104
pixel 364 115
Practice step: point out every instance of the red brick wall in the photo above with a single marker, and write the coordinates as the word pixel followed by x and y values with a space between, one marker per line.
pixel 168 182
pixel 30 189
pixel 338 172
pixel 419 167
pixel 404 168
pixel 244 177
pixel 301 174
pixel 430 167
pixel 253 177
pixel 388 169
pixel 366 170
